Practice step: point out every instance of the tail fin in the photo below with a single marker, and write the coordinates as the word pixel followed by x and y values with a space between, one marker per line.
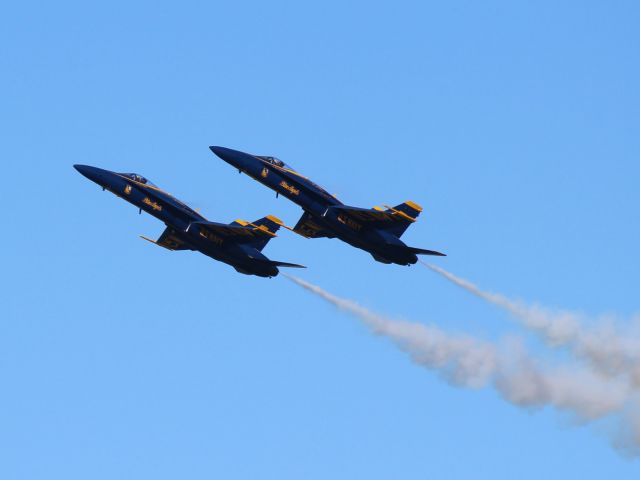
pixel 269 225
pixel 409 208
pixel 407 212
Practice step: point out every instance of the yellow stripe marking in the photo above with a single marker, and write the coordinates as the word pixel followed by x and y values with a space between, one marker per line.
pixel 401 213
pixel 275 219
pixel 413 205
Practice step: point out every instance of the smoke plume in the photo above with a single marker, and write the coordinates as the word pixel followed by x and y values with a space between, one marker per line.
pixel 469 362
pixel 519 378
pixel 607 350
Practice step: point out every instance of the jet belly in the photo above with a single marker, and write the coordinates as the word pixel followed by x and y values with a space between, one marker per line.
pixel 382 246
pixel 245 259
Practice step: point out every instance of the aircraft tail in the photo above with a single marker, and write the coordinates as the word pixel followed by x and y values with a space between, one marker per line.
pixel 407 212
pixel 269 225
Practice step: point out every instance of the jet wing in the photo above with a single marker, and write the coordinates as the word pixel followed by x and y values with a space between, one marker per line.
pixel 169 240
pixel 238 230
pixel 377 217
pixel 308 227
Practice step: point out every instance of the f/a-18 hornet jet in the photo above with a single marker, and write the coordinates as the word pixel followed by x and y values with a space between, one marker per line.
pixel 238 244
pixel 377 230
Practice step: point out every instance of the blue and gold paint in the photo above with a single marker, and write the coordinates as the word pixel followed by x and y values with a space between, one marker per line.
pixel 238 244
pixel 376 230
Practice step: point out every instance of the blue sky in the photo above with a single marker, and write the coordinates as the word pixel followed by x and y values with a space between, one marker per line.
pixel 514 124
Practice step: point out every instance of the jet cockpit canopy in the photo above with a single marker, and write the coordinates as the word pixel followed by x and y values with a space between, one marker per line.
pixel 275 161
pixel 138 178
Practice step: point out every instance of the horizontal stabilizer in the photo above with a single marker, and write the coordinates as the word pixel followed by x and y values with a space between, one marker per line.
pixel 422 251
pixel 286 264
pixel 278 264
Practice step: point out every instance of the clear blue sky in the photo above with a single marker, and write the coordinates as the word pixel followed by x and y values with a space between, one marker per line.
pixel 515 125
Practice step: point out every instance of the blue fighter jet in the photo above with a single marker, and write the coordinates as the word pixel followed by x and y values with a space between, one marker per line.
pixel 238 244
pixel 377 230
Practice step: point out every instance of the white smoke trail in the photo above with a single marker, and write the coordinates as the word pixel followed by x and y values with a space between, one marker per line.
pixel 469 362
pixel 609 351
pixel 519 378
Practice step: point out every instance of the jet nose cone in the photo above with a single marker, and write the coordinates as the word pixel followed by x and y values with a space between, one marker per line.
pixel 224 153
pixel 240 160
pixel 92 173
pixel 217 150
pixel 85 170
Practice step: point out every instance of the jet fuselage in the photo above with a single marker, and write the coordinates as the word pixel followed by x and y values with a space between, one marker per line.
pixel 181 221
pixel 384 246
